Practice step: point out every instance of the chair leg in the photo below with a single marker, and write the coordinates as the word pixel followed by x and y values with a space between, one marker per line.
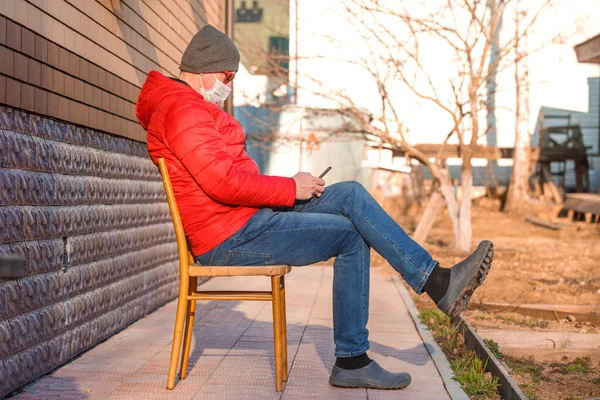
pixel 284 330
pixel 178 333
pixel 189 328
pixel 275 291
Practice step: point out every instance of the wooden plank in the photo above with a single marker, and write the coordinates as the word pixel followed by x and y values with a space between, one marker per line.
pixel 403 169
pixel 426 222
pixel 585 196
pixel 270 270
pixel 549 312
pixel 545 224
pixel 453 151
pixel 589 51
pixel 583 202
pixel 541 340
pixel 231 295
pixel 549 185
pixel 551 355
pixel 548 154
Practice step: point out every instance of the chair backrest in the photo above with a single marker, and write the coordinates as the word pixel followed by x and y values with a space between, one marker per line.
pixel 185 257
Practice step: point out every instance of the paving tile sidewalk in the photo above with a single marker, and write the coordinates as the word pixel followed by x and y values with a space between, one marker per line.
pixel 232 353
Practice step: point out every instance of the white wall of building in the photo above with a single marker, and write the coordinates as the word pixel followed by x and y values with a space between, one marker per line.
pixel 343 156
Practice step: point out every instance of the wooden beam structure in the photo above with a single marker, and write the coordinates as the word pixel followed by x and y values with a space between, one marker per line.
pixel 583 203
pixel 589 51
pixel 453 151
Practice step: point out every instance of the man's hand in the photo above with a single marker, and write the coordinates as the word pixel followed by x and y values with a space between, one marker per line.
pixel 308 186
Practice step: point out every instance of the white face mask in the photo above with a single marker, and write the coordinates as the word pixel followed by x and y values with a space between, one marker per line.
pixel 217 94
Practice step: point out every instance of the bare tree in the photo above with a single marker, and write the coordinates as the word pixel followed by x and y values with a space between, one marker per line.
pixel 395 34
pixel 518 189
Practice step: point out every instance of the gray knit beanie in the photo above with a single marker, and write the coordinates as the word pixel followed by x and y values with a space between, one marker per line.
pixel 210 50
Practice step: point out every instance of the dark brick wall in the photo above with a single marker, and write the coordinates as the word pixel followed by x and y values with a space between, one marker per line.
pixel 87 211
pixel 79 198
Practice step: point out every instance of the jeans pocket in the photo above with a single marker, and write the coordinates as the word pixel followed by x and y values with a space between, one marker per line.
pixel 247 258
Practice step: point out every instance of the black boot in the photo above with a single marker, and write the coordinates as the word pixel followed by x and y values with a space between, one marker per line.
pixel 465 277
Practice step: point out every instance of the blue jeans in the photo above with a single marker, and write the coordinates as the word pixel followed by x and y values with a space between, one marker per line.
pixel 345 222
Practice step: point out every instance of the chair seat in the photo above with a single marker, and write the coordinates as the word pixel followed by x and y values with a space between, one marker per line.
pixel 269 270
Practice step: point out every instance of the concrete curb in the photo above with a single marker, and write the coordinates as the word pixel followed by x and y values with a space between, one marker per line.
pixel 508 388
pixel 439 358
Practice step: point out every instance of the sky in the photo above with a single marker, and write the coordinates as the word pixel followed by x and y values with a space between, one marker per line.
pixel 325 36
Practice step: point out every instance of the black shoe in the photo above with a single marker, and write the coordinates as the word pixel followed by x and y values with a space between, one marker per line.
pixel 372 377
pixel 465 277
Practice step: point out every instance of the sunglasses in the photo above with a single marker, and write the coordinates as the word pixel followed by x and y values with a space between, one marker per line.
pixel 228 76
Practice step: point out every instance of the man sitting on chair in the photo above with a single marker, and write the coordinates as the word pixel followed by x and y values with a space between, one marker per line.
pixel 233 215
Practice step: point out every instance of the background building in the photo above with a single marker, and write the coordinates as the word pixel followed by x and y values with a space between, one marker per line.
pixel 322 40
pixel 279 131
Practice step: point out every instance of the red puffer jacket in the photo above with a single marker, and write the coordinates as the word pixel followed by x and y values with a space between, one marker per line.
pixel 217 185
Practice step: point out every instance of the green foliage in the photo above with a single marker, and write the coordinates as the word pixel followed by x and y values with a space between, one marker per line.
pixel 433 318
pixel 579 365
pixel 468 369
pixel 470 372
pixel 525 365
pixel 441 328
pixel 508 320
pixel 530 395
pixel 494 348
pixel 529 389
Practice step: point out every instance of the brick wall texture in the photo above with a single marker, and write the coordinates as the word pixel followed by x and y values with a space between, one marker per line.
pixel 84 61
pixel 79 198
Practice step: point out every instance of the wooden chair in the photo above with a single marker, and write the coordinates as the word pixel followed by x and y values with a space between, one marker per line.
pixel 188 294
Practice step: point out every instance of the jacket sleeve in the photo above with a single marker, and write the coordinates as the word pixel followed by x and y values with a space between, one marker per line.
pixel 192 136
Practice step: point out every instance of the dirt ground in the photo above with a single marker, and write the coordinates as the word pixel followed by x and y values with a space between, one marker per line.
pixel 574 379
pixel 532 265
